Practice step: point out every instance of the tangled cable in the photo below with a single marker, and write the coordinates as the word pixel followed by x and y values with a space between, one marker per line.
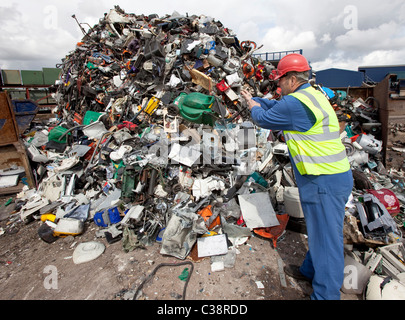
pixel 148 278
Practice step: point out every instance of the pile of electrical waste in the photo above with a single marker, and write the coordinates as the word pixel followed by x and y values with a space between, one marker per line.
pixel 152 142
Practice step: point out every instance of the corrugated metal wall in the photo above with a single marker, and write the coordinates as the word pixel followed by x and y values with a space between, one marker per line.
pixel 339 78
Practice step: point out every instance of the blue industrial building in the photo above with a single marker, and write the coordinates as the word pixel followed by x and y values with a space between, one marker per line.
pixel 339 78
pixel 375 74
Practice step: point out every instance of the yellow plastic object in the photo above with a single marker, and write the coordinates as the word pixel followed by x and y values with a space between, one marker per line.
pixel 209 234
pixel 48 216
pixel 152 105
pixel 68 227
pixel 65 234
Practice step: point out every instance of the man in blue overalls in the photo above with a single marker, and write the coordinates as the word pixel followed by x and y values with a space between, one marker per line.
pixel 321 169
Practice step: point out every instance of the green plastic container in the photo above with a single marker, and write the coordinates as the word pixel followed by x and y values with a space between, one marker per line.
pixel 259 179
pixel 56 133
pixel 90 117
pixel 196 107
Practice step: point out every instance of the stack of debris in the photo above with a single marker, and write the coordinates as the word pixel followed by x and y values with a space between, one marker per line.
pixel 153 143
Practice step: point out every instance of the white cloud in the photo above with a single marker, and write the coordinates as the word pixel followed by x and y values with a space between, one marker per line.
pixel 374 58
pixel 30 40
pixel 385 36
pixel 338 63
pixel 248 30
pixel 279 39
pixel 381 57
pixel 326 38
pixel 323 31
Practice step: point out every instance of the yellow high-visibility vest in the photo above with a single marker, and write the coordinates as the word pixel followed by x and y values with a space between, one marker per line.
pixel 319 150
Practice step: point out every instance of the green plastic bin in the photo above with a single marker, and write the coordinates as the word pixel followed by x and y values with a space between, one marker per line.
pixel 56 133
pixel 196 107
pixel 90 117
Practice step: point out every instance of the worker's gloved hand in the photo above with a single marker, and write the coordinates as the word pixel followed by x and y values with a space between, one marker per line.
pixel 249 99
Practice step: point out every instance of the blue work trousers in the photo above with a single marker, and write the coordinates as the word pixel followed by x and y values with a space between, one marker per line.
pixel 323 199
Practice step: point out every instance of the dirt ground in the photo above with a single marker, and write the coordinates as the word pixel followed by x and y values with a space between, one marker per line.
pixel 32 269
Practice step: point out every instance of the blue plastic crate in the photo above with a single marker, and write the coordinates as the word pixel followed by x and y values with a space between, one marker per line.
pixel 107 217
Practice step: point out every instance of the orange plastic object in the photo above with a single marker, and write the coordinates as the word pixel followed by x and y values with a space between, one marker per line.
pixel 206 213
pixel 274 232
pixel 248 70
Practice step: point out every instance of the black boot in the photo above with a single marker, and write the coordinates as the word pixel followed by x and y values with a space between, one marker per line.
pixel 294 271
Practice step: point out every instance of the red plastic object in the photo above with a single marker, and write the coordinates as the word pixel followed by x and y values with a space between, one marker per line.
pixel 388 199
pixel 222 86
pixel 127 124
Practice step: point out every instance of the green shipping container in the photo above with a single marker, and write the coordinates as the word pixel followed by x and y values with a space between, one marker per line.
pixel 11 76
pixel 32 77
pixel 50 75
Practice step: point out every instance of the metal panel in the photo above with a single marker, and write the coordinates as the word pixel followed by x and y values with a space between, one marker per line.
pixel 16 94
pixel 37 94
pixel 32 77
pixel 8 125
pixel 11 76
pixel 378 73
pixel 24 112
pixel 392 115
pixel 337 78
pixel 15 154
pixel 50 75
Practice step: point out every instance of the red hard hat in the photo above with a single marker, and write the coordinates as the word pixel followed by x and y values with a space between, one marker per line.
pixel 292 62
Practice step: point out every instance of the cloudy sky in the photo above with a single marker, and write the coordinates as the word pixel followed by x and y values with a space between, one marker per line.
pixel 333 34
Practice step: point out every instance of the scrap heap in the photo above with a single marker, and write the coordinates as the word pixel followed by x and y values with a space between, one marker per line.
pixel 153 143
pixel 151 130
